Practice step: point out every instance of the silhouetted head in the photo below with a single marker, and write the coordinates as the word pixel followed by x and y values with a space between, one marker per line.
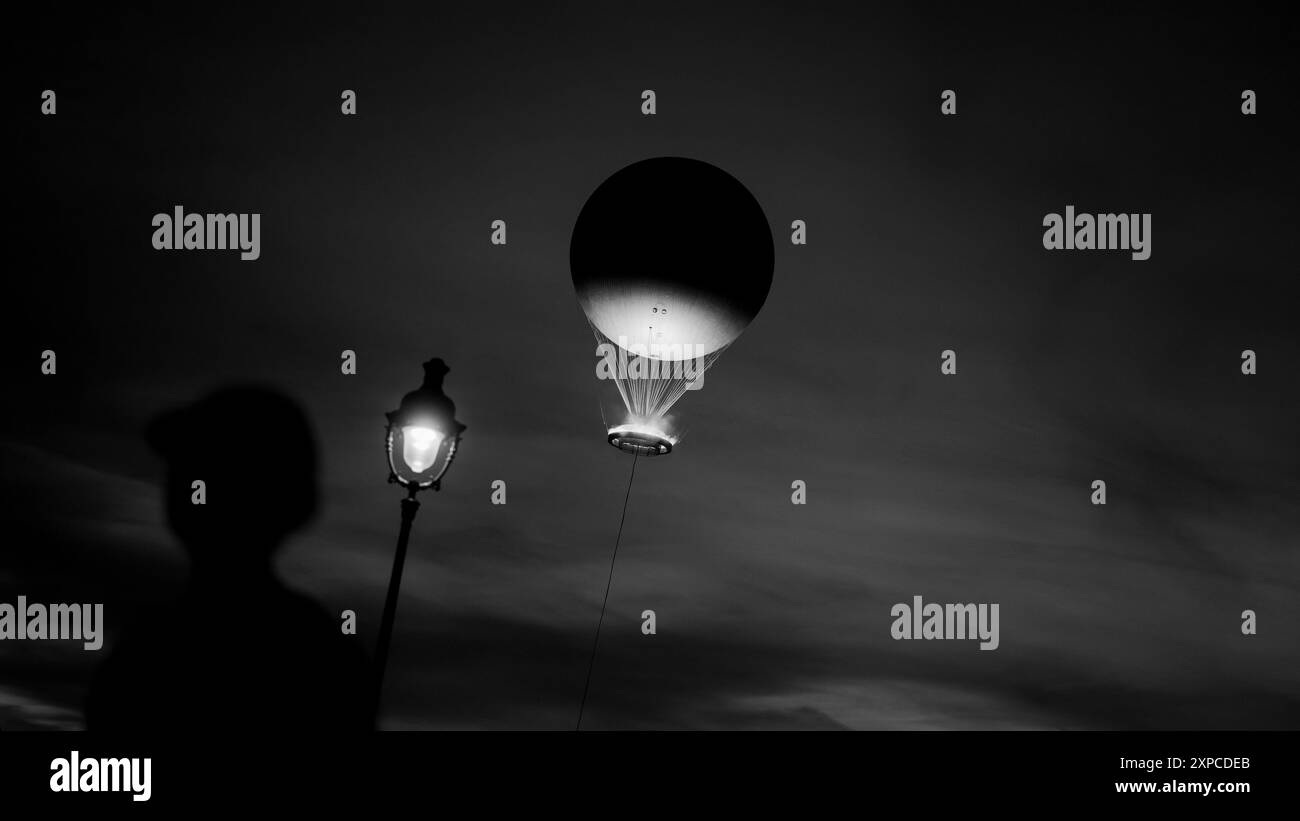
pixel 253 450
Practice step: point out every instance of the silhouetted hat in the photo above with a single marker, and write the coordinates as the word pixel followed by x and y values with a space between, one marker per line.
pixel 248 425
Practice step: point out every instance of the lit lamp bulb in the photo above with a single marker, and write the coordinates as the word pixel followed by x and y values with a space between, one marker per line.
pixel 419 447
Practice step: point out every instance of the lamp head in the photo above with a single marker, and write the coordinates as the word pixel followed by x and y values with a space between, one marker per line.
pixel 423 433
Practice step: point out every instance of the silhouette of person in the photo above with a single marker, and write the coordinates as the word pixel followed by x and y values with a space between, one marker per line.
pixel 238 649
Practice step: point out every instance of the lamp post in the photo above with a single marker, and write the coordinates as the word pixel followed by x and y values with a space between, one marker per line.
pixel 422 439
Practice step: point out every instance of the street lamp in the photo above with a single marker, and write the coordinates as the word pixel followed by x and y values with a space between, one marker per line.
pixel 422 439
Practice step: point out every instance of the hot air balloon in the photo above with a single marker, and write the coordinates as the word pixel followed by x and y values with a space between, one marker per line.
pixel 671 260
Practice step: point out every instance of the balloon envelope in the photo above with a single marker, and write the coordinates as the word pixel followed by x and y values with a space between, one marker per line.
pixel 671 258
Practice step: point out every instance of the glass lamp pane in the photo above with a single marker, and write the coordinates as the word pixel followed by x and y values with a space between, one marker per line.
pixel 420 447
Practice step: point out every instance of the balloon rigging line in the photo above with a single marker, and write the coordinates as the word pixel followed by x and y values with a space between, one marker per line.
pixel 650 386
pixel 591 663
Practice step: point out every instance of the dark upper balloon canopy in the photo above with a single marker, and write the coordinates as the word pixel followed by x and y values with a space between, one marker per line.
pixel 680 223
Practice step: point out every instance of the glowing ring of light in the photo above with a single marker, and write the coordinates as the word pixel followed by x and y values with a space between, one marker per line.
pixel 640 439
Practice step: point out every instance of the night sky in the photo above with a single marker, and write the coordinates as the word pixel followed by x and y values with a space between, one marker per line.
pixel 924 234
